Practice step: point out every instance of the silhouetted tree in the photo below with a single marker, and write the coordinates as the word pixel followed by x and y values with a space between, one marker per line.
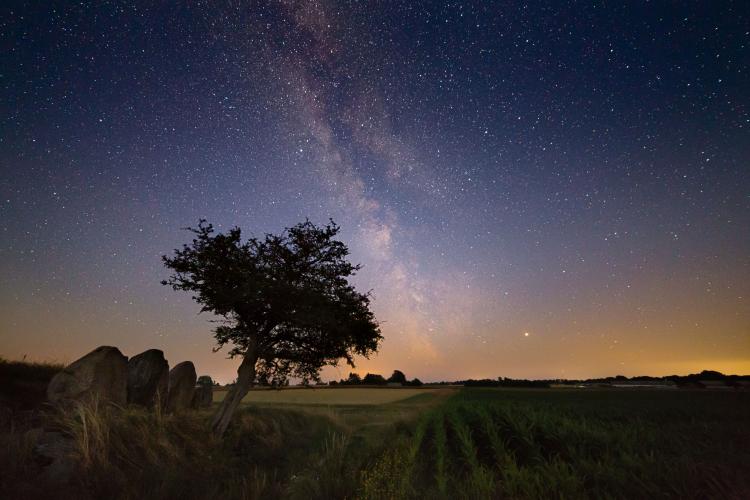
pixel 398 377
pixel 711 375
pixel 416 382
pixel 205 380
pixel 374 379
pixel 353 379
pixel 285 303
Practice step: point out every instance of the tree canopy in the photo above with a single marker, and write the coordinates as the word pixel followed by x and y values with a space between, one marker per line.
pixel 374 379
pixel 285 301
pixel 397 377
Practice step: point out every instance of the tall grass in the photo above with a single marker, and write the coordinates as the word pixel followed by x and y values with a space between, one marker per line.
pixel 328 473
pixel 291 451
pixel 135 454
pixel 88 424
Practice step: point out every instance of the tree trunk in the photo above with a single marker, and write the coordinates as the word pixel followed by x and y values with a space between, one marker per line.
pixel 245 379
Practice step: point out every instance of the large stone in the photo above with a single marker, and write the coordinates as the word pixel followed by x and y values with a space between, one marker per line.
pixel 148 378
pixel 54 453
pixel 102 373
pixel 203 396
pixel 181 387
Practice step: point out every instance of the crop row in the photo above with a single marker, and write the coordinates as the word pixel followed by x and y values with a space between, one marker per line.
pixel 484 448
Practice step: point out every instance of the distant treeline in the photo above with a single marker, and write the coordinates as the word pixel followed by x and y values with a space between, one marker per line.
pixel 695 378
pixel 397 378
pixel 504 382
pixel 705 375
pixel 500 382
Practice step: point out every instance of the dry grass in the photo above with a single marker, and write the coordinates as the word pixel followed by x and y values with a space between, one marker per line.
pixel 312 444
pixel 326 396
pixel 134 454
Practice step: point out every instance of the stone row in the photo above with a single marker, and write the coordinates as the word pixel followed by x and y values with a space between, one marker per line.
pixel 144 380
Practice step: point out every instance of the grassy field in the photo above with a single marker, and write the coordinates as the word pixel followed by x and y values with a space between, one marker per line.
pixel 328 396
pixel 399 443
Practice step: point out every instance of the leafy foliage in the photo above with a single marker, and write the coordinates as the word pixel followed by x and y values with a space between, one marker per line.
pixel 284 298
pixel 374 379
pixel 397 377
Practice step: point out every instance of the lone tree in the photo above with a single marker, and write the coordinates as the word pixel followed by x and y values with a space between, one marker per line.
pixel 398 377
pixel 284 301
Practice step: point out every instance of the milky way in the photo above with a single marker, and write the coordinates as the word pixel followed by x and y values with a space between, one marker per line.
pixel 539 190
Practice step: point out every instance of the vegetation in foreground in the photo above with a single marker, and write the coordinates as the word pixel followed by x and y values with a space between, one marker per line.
pixel 288 451
pixel 469 443
pixel 132 453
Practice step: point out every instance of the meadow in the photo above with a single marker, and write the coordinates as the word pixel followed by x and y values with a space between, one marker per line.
pixel 369 443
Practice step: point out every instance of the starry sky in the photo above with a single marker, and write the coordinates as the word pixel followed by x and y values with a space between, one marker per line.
pixel 535 190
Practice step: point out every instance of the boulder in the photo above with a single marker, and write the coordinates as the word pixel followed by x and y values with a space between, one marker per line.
pixel 181 387
pixel 54 454
pixel 203 396
pixel 148 378
pixel 102 373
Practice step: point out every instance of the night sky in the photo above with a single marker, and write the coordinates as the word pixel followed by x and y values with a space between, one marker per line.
pixel 534 190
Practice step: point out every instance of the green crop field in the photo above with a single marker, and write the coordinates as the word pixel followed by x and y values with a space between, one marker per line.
pixel 490 443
